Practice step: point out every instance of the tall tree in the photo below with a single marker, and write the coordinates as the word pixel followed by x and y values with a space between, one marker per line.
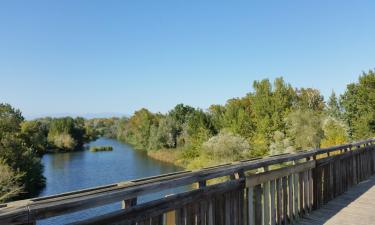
pixel 333 107
pixel 310 99
pixel 358 102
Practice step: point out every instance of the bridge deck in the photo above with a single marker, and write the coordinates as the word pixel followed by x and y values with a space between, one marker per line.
pixel 357 206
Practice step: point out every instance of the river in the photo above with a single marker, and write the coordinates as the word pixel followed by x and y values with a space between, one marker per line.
pixel 83 169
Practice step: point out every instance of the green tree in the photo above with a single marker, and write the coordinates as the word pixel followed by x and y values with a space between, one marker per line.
pixel 237 117
pixel 333 107
pixel 165 134
pixel 358 103
pixel 304 127
pixel 137 129
pixel 198 129
pixel 310 99
pixel 10 119
pixel 217 113
pixel 270 105
pixel 335 132
pixel 34 133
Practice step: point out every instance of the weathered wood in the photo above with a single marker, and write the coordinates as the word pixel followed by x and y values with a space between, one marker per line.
pixel 258 204
pixel 260 178
pixel 279 201
pixel 250 199
pixel 273 203
pixel 296 196
pixel 290 199
pixel 157 207
pixel 285 200
pixel 129 203
pixel 266 201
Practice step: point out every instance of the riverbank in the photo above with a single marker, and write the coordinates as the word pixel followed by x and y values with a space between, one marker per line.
pixel 171 156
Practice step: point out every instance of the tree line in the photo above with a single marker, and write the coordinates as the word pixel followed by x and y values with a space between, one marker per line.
pixel 274 118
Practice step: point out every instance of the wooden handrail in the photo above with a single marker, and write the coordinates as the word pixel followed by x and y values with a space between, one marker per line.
pixel 26 211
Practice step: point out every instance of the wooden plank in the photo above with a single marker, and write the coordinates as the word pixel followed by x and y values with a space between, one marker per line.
pixel 301 195
pixel 250 199
pixel 258 204
pixel 266 201
pixel 169 218
pixel 311 190
pixel 296 194
pixel 306 187
pixel 260 178
pixel 211 219
pixel 290 198
pixel 157 207
pixel 273 203
pixel 279 200
pixel 285 200
pixel 129 203
pixel 228 218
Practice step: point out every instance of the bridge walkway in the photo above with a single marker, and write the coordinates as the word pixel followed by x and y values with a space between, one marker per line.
pixel 355 207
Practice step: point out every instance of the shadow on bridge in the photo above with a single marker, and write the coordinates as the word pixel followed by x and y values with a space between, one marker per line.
pixel 356 206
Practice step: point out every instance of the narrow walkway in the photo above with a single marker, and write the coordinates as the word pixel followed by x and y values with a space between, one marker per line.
pixel 355 207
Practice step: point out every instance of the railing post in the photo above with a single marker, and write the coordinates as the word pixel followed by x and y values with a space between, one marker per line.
pixel 266 200
pixel 129 203
pixel 315 186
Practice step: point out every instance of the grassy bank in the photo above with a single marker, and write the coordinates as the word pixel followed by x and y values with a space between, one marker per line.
pixel 167 156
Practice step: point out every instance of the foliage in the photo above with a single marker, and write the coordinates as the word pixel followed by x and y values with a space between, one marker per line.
pixel 10 119
pixel 281 144
pixel 358 103
pixel 9 183
pixel 335 132
pixel 67 133
pixel 34 133
pixel 226 147
pixel 18 154
pixel 333 107
pixel 305 129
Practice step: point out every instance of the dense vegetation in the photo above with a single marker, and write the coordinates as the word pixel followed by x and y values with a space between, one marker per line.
pixel 274 118
pixel 20 167
pixel 23 142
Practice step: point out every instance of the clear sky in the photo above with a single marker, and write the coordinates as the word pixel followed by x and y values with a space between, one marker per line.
pixel 80 57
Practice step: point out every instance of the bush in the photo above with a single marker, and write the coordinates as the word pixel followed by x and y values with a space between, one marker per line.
pixel 101 148
pixel 226 147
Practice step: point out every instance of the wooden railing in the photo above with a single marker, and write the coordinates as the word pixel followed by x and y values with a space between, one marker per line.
pixel 273 190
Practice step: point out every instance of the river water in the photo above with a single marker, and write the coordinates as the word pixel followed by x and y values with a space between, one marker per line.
pixel 83 169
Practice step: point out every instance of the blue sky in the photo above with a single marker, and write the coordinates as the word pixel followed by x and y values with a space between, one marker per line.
pixel 82 57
